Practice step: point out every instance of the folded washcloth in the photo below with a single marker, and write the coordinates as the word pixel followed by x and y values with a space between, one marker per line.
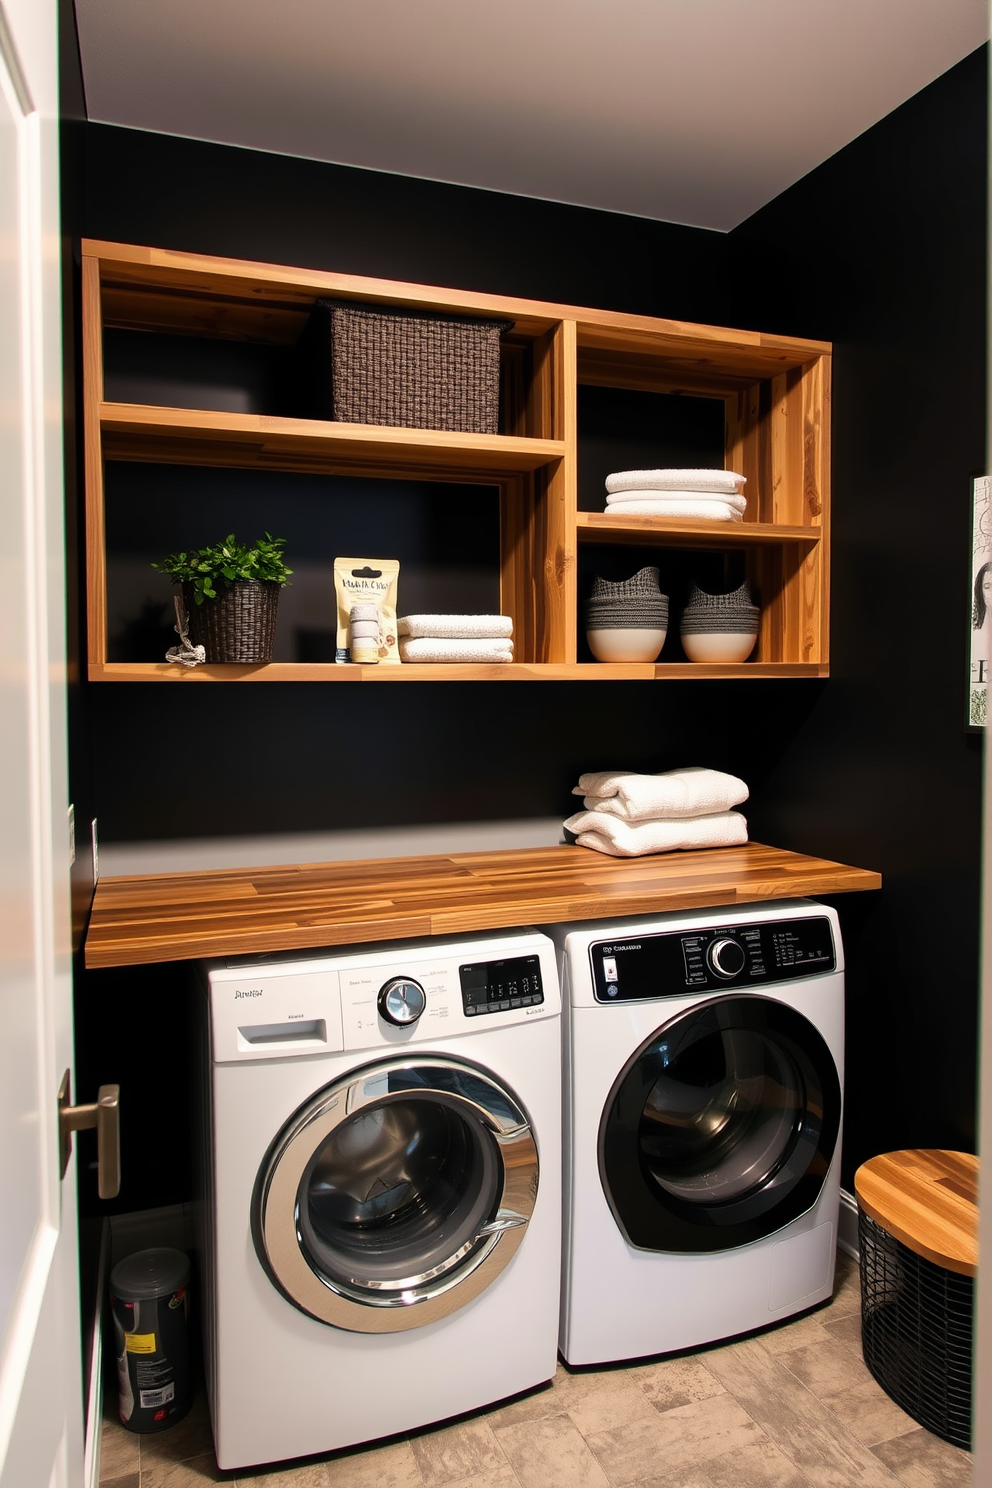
pixel 690 791
pixel 459 627
pixel 675 480
pixel 630 840
pixel 704 511
pixel 739 503
pixel 454 648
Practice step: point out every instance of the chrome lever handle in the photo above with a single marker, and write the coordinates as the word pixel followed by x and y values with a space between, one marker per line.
pixel 104 1114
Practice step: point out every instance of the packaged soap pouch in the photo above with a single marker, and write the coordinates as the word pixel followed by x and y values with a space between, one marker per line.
pixel 362 581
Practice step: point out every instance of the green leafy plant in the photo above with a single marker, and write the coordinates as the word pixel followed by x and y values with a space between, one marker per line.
pixel 225 563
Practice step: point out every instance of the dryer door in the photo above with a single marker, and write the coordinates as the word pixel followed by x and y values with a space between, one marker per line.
pixel 396 1195
pixel 721 1128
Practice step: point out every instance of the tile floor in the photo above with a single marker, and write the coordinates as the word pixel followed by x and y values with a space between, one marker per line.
pixel 791 1408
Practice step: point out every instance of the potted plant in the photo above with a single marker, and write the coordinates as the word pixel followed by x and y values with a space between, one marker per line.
pixel 231 595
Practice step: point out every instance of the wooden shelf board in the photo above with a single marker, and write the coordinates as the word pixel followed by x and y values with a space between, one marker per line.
pixel 601 527
pixel 135 431
pixel 517 671
pixel 175 917
pixel 264 287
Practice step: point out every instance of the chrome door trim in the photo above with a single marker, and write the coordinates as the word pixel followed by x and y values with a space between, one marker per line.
pixel 376 1307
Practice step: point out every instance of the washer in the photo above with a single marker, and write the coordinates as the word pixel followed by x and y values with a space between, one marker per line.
pixel 381 1216
pixel 703 1088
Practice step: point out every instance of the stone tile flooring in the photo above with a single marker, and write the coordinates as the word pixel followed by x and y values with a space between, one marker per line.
pixel 791 1408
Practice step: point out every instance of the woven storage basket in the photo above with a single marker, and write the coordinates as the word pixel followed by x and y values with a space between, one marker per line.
pixel 239 625
pixel 373 365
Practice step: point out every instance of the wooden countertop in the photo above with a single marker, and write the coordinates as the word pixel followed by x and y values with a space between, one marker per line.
pixel 181 916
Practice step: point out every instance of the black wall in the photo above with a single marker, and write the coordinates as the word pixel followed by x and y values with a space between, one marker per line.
pixel 882 251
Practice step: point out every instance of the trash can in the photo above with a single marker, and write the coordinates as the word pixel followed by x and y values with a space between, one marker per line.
pixel 149 1302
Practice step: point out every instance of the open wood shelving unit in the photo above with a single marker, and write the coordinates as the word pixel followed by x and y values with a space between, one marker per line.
pixel 774 391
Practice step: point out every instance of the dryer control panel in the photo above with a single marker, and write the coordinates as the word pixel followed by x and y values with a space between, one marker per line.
pixel 711 958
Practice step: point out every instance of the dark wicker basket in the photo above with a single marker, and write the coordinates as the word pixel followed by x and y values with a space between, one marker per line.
pixel 239 625
pixel 916 1325
pixel 369 364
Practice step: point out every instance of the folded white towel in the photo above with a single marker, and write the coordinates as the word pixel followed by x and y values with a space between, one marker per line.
pixel 675 480
pixel 690 791
pixel 453 648
pixel 703 511
pixel 708 498
pixel 630 840
pixel 459 627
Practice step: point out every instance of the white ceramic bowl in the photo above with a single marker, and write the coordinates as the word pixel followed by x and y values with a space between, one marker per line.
pixel 729 645
pixel 626 645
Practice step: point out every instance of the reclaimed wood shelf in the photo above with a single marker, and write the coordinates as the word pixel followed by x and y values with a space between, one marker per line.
pixel 514 671
pixel 774 393
pixel 179 916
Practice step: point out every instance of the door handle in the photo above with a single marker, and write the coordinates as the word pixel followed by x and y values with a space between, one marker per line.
pixel 104 1114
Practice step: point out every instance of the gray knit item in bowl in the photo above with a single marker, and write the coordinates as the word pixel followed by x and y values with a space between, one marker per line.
pixel 641 585
pixel 720 614
pixel 629 604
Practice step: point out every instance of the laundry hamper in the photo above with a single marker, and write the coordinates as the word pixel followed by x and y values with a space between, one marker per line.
pixel 918 1238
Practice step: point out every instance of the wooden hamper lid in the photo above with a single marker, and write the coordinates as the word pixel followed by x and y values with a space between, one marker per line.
pixel 928 1200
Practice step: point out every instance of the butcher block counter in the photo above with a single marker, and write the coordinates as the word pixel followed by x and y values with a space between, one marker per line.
pixel 180 916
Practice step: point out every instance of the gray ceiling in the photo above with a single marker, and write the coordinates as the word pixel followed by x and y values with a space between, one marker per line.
pixel 694 111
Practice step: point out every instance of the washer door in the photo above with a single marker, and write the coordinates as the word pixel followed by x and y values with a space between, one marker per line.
pixel 396 1195
pixel 721 1128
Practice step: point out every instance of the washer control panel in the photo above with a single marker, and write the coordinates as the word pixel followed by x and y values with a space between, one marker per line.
pixel 500 986
pixel 710 959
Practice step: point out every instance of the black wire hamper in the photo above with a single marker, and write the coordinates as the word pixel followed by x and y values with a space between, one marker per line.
pixel 239 625
pixel 916 1332
pixel 414 369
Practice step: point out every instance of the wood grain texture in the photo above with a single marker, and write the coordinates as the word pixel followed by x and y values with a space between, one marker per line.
pixel 928 1200
pixel 200 436
pixel 256 283
pixel 174 917
pixel 669 532
pixel 537 671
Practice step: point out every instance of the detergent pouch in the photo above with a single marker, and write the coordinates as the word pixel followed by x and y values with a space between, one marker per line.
pixel 363 582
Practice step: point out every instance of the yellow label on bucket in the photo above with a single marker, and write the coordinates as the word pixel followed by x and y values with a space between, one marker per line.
pixel 140 1343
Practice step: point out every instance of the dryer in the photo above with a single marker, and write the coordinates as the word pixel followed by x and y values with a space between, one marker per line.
pixel 381 1206
pixel 703 1089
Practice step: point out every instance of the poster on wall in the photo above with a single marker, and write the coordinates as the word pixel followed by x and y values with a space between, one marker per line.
pixel 981 599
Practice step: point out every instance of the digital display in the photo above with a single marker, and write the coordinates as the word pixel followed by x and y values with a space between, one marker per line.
pixel 498 986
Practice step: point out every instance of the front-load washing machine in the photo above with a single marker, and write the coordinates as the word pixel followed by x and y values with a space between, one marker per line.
pixel 703 1085
pixel 381 1214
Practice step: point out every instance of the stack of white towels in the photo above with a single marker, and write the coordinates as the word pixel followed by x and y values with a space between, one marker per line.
pixel 707 495
pixel 455 638
pixel 627 814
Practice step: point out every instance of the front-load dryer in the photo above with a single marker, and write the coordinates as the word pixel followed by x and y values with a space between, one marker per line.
pixel 381 1215
pixel 703 1086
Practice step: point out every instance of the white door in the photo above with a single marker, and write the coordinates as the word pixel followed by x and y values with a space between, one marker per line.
pixel 40 1377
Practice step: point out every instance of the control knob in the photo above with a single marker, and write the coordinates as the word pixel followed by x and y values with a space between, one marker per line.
pixel 726 958
pixel 401 1001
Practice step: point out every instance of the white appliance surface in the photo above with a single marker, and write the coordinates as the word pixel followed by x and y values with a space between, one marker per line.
pixel 619 1301
pixel 282 1384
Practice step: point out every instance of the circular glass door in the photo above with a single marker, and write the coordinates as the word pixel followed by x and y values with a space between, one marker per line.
pixel 721 1128
pixel 396 1195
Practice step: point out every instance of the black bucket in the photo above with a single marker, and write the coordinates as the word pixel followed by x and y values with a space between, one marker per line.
pixel 149 1301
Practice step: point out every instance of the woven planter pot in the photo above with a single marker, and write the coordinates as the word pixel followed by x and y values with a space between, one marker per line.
pixel 239 625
